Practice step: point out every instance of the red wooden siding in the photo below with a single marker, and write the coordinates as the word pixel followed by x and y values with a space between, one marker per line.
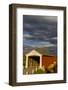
pixel 48 60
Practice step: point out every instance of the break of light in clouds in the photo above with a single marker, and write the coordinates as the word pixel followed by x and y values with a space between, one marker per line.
pixel 39 31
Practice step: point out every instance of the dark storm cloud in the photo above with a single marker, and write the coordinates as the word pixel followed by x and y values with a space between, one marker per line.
pixel 40 31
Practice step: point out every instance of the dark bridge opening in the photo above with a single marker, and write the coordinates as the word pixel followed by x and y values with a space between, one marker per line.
pixel 33 61
pixel 35 58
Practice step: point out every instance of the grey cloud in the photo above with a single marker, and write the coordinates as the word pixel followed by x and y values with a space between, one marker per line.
pixel 40 31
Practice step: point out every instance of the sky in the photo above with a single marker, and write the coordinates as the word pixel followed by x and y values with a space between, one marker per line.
pixel 39 31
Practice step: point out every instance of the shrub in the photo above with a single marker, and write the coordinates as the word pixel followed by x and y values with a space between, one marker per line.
pixel 39 71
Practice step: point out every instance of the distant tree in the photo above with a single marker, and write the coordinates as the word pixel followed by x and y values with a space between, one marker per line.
pixel 43 50
pixel 24 60
pixel 47 51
